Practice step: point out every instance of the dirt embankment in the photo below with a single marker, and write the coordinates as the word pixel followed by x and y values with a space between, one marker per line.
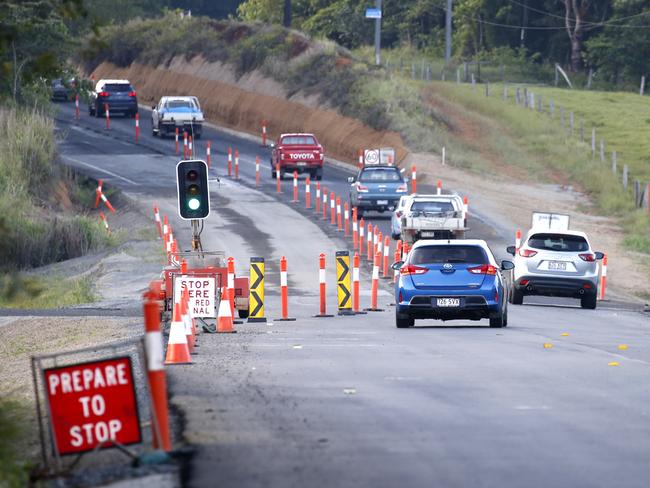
pixel 242 104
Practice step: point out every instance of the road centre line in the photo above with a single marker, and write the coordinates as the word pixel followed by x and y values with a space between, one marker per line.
pixel 97 168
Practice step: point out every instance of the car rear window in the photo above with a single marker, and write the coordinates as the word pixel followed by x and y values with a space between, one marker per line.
pixel 117 87
pixel 172 104
pixel 448 254
pixel 379 175
pixel 558 242
pixel 432 207
pixel 299 140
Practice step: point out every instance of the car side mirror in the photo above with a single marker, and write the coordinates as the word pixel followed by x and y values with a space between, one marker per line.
pixel 397 265
pixel 599 255
pixel 272 145
pixel 153 107
pixel 350 179
pixel 507 265
pixel 511 250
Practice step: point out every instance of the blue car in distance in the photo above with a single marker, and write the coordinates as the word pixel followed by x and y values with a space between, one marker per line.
pixel 450 280
pixel 378 188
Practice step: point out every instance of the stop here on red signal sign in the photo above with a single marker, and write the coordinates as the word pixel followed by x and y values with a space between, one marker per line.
pixel 93 405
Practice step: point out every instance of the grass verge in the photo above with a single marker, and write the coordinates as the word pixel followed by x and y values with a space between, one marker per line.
pixel 17 291
pixel 13 471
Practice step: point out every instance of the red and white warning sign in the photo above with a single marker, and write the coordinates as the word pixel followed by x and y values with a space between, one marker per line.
pixel 202 291
pixel 92 404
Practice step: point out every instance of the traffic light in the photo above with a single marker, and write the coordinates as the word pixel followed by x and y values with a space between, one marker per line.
pixel 193 190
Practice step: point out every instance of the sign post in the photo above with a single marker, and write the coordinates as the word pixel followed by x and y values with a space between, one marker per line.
pixel 375 13
pixel 92 405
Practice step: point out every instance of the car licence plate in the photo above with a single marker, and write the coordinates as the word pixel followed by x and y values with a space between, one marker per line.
pixel 302 164
pixel 427 233
pixel 382 202
pixel 557 265
pixel 448 302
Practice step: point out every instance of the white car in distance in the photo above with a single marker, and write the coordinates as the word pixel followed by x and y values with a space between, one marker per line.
pixel 182 113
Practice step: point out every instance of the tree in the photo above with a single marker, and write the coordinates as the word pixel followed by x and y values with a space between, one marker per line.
pixel 576 13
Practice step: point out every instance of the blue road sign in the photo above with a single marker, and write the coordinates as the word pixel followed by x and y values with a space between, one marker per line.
pixel 373 13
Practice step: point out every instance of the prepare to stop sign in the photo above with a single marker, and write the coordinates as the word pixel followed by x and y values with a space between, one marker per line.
pixel 91 404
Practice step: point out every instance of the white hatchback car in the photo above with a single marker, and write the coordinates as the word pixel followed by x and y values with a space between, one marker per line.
pixel 557 263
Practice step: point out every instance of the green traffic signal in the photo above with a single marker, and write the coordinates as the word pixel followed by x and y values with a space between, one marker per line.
pixel 193 189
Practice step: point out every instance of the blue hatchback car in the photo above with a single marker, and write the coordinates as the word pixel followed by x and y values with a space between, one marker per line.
pixel 450 280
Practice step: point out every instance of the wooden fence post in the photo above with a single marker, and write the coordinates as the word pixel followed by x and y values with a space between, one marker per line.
pixel 642 89
pixel 625 176
pixel 614 163
pixel 551 108
pixel 602 150
pixel 593 143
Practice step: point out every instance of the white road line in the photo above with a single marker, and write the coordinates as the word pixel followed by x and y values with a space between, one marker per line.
pixel 97 168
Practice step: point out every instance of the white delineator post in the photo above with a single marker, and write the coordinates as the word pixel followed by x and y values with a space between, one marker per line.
pixel 517 240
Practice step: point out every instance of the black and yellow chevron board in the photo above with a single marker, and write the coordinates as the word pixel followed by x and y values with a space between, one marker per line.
pixel 256 301
pixel 343 282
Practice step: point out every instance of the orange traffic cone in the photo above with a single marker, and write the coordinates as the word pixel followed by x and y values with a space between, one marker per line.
pixel 177 350
pixel 187 321
pixel 224 316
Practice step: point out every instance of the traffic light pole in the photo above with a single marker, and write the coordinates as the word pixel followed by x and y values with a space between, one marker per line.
pixel 196 236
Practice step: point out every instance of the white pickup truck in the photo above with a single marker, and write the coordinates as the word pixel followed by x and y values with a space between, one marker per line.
pixel 433 217
pixel 182 113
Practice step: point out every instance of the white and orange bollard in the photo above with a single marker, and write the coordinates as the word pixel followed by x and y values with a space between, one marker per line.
pixel 324 203
pixel 76 107
pixel 356 306
pixel 295 187
pixel 106 202
pixel 264 133
pixel 284 291
pixel 107 113
pixel 317 206
pixel 439 187
pixel 185 155
pixel 176 140
pixel 360 163
pixel 369 243
pixel 98 192
pixel 278 183
pixel 190 147
pixel 236 164
pixel 105 221
pixel 346 219
pixel 230 161
pixel 208 154
pixel 396 257
pixel 374 289
pixel 230 284
pixel 602 288
pixel 137 127
pixel 156 216
pixel 322 284
pixel 385 274
pixel 332 209
pixel 414 179
pixel 517 241
pixel 362 235
pixel 466 209
pixel 257 171
pixel 307 193
pixel 339 216
pixel 156 377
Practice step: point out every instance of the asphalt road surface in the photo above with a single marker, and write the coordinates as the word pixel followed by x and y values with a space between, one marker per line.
pixel 558 398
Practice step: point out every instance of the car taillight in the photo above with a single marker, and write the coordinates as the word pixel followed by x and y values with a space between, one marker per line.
pixel 402 188
pixel 103 94
pixel 590 258
pixel 361 188
pixel 527 253
pixel 486 269
pixel 409 269
pixel 132 94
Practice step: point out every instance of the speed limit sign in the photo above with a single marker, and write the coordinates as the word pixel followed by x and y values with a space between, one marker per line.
pixel 371 156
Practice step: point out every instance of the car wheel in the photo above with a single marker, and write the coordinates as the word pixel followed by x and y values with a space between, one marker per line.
pixel 500 320
pixel 243 314
pixel 403 321
pixel 516 296
pixel 588 302
pixel 273 174
pixel 395 237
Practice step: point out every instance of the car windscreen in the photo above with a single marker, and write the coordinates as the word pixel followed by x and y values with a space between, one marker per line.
pixel 448 254
pixel 299 140
pixel 180 104
pixel 117 87
pixel 432 207
pixel 380 175
pixel 558 242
